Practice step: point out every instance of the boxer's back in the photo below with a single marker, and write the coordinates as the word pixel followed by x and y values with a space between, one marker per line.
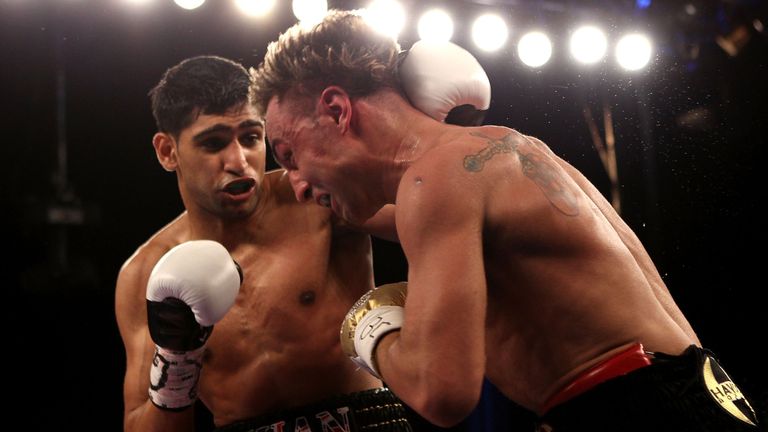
pixel 564 283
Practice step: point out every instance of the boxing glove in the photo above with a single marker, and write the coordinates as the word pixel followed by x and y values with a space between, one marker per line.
pixel 446 82
pixel 378 312
pixel 190 289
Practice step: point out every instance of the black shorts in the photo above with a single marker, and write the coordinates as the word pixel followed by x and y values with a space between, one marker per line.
pixel 376 410
pixel 689 392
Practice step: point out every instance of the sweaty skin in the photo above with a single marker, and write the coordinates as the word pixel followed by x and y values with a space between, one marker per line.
pixel 278 347
pixel 527 243
pixel 519 270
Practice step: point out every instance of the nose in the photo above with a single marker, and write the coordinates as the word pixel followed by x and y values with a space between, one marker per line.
pixel 301 188
pixel 235 159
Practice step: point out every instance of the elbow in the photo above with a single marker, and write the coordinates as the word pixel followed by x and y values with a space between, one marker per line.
pixel 446 406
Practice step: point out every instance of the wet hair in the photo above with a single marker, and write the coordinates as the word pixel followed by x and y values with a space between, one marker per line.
pixel 198 85
pixel 341 50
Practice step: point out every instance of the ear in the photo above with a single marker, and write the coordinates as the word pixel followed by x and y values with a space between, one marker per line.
pixel 165 149
pixel 336 103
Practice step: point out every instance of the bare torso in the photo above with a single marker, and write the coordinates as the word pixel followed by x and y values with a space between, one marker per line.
pixel 278 347
pixel 565 285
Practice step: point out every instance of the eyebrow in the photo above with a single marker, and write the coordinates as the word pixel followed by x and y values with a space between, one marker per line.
pixel 224 128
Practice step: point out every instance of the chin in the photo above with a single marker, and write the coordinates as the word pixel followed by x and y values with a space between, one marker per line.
pixel 241 211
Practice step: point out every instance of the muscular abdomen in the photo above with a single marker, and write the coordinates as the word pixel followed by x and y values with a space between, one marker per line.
pixel 279 346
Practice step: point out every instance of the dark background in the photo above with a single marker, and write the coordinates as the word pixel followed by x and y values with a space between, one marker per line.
pixel 690 138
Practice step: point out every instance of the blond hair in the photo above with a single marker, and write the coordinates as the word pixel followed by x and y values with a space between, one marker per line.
pixel 341 50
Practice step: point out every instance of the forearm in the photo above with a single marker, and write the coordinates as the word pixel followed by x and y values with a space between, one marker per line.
pixel 189 289
pixel 428 385
pixel 382 224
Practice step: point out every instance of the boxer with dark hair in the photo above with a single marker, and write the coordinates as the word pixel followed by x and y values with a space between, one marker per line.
pixel 237 301
pixel 519 270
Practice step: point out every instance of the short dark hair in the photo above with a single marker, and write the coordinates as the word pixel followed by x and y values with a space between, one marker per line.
pixel 198 85
pixel 341 50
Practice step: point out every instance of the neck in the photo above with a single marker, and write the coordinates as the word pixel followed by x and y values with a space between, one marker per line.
pixel 227 230
pixel 399 134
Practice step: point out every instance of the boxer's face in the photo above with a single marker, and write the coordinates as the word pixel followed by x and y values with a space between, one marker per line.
pixel 323 164
pixel 219 160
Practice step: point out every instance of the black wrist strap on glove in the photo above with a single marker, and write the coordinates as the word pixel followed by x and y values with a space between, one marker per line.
pixel 172 325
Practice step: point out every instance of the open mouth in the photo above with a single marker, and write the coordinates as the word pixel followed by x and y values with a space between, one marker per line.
pixel 239 187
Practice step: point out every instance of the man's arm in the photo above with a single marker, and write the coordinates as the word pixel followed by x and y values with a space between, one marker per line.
pixel 436 362
pixel 131 311
pixel 382 224
pixel 630 240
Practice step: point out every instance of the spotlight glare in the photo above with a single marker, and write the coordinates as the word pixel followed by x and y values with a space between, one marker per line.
pixel 189 4
pixel 385 16
pixel 435 25
pixel 309 12
pixel 255 8
pixel 489 32
pixel 588 44
pixel 633 51
pixel 534 49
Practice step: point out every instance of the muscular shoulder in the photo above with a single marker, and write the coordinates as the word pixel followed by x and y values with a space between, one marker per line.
pixel 437 191
pixel 136 269
pixel 454 171
pixel 466 152
pixel 277 189
pixel 130 291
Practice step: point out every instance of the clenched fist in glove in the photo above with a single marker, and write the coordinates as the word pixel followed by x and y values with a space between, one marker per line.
pixel 189 290
pixel 378 312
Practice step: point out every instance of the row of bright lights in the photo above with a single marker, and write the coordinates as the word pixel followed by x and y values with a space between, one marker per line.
pixel 588 44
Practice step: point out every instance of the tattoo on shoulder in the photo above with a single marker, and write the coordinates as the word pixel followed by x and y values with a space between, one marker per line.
pixel 546 176
pixel 476 162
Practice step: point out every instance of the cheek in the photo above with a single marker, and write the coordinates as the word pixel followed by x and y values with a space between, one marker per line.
pixel 256 158
pixel 201 170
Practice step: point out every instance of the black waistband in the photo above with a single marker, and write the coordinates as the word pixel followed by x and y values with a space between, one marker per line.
pixel 376 410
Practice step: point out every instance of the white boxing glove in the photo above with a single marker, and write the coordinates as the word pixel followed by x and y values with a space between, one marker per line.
pixel 190 288
pixel 438 77
pixel 378 312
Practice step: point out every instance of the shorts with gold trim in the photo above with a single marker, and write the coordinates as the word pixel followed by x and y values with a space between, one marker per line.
pixel 376 410
pixel 688 392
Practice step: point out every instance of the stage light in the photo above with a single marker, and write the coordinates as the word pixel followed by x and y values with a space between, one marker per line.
pixel 758 25
pixel 633 51
pixel 534 49
pixel 189 4
pixel 642 4
pixel 489 32
pixel 255 8
pixel 386 16
pixel 309 12
pixel 435 25
pixel 588 44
